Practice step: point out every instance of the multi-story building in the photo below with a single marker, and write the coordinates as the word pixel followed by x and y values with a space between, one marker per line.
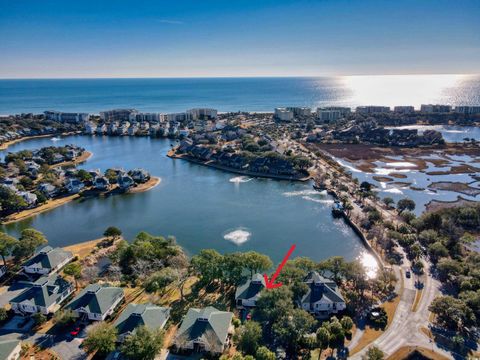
pixel 201 114
pixel 371 109
pixel 146 117
pixel 435 108
pixel 64 117
pixel 328 116
pixel 468 110
pixel 117 115
pixel 283 114
pixel 404 109
pixel 300 111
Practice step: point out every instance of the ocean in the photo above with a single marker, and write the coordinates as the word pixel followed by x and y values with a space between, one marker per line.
pixel 234 94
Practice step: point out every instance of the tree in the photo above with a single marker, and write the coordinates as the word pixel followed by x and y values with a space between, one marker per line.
pixel 323 339
pixel 64 317
pixel 373 353
pixel 232 269
pixel 74 270
pixel 160 279
pixel 3 314
pixel 452 313
pixel 101 337
pixel 436 251
pixel 255 262
pixel 29 240
pixel 405 204
pixel 388 201
pixel 39 319
pixel 292 328
pixel 144 344
pixel 264 354
pixel 113 232
pixel 249 337
pixel 347 324
pixel 208 265
pixel 7 244
pixel 337 334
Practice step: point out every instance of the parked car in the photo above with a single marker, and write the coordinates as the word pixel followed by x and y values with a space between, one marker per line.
pixel 408 274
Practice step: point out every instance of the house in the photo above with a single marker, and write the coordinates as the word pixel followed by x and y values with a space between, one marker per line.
pixel 205 330
pixel 323 297
pixel 136 315
pixel 48 190
pixel 10 349
pixel 96 302
pixel 47 260
pixel 30 198
pixel 140 175
pixel 125 181
pixel 74 186
pixel 44 296
pixel 248 293
pixel 101 183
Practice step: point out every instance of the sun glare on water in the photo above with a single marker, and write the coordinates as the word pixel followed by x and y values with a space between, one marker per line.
pixel 370 264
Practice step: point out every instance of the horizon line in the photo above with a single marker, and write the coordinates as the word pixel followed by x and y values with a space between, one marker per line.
pixel 232 76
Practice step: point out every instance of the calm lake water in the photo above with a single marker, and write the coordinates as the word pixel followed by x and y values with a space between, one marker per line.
pixel 233 94
pixel 202 207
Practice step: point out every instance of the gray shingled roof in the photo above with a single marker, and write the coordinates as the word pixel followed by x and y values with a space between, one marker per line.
pixel 95 298
pixel 48 258
pixel 6 347
pixel 135 315
pixel 43 292
pixel 205 324
pixel 320 287
pixel 251 288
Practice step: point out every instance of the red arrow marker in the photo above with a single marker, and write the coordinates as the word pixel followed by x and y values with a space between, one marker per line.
pixel 270 284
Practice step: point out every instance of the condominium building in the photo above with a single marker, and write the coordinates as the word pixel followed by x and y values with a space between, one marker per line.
pixel 371 109
pixel 435 108
pixel 283 114
pixel 64 117
pixel 201 114
pixel 328 116
pixel 117 115
pixel 404 109
pixel 300 111
pixel 469 110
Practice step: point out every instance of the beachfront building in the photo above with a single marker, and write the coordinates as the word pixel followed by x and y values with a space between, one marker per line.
pixel 125 181
pixel 371 109
pixel 135 315
pixel 146 117
pixel 300 111
pixel 44 296
pixel 404 109
pixel 74 186
pixel 202 114
pixel 47 260
pixel 431 108
pixel 205 330
pixel 117 115
pixel 328 116
pixel 468 110
pixel 248 293
pixel 10 349
pixel 323 297
pixel 96 302
pixel 64 117
pixel 283 114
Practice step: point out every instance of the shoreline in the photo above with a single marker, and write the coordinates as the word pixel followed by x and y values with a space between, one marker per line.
pixel 7 144
pixel 171 154
pixel 52 204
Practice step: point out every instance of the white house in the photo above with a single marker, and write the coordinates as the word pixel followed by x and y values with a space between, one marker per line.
pixel 96 302
pixel 248 293
pixel 44 296
pixel 74 186
pixel 47 260
pixel 323 297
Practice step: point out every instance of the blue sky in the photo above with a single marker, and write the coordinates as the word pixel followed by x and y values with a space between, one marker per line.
pixel 55 39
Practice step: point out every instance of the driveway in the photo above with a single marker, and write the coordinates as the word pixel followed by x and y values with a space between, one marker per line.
pixel 7 293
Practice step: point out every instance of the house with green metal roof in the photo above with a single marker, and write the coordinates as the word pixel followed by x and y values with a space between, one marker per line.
pixel 204 330
pixel 44 296
pixel 96 302
pixel 323 297
pixel 248 293
pixel 47 260
pixel 10 349
pixel 136 315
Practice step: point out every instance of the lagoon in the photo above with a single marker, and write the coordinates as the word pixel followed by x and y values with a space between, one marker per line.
pixel 200 206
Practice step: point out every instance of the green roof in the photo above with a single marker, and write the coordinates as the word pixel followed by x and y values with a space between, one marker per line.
pixel 6 348
pixel 136 315
pixel 251 288
pixel 96 299
pixel 46 291
pixel 48 258
pixel 205 324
